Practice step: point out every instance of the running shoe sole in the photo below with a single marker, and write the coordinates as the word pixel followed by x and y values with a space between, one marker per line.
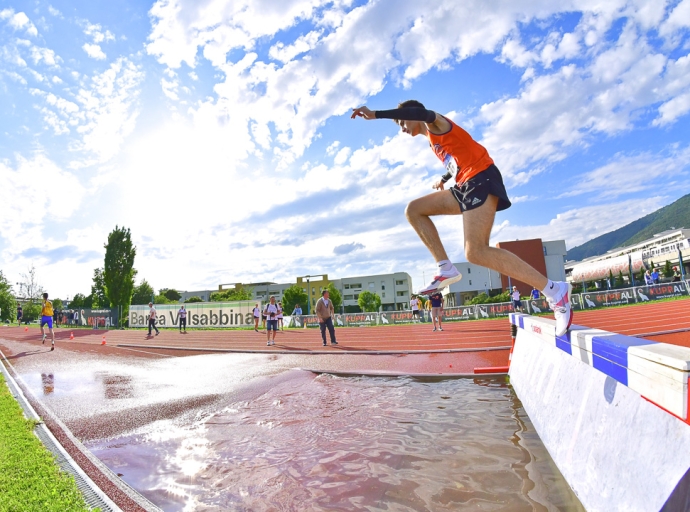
pixel 443 284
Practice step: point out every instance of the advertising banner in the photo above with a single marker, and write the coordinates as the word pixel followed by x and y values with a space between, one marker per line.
pixel 104 318
pixel 608 298
pixel 356 320
pixel 395 317
pixel 300 321
pixel 199 314
pixel 460 313
pixel 576 302
pixel 494 310
pixel 537 306
pixel 661 291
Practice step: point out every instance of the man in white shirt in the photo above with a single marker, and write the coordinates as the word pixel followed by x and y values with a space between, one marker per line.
pixel 152 319
pixel 414 305
pixel 271 311
pixel 517 304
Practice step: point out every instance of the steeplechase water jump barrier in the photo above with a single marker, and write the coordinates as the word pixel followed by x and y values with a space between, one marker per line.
pixel 612 410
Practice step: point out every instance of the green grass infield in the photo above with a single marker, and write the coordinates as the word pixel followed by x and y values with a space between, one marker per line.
pixel 29 478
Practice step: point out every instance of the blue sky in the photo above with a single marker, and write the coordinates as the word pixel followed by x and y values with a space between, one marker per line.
pixel 219 131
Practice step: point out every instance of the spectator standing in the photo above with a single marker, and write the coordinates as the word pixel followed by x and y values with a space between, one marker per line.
pixel 427 309
pixel 152 319
pixel 436 302
pixel 55 318
pixel 47 319
pixel 325 311
pixel 535 294
pixel 280 315
pixel 414 306
pixel 182 315
pixel 648 279
pixel 20 314
pixel 257 314
pixel 517 305
pixel 655 276
pixel 271 314
pixel 676 275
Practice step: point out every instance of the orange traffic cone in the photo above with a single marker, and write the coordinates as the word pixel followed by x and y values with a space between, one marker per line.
pixel 26 329
pixel 103 340
pixel 71 335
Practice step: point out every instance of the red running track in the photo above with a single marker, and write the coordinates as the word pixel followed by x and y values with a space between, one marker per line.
pixel 467 344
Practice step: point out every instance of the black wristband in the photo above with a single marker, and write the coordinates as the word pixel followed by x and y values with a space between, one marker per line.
pixel 407 114
pixel 446 177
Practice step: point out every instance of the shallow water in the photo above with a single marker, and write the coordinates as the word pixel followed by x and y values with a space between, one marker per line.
pixel 307 442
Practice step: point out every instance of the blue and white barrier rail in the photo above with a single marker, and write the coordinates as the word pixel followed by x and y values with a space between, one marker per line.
pixel 612 410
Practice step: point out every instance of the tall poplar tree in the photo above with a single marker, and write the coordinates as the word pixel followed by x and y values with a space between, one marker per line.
pixel 118 270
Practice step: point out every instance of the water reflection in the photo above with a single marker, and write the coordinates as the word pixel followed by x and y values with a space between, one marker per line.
pixel 330 443
pixel 47 383
pixel 116 386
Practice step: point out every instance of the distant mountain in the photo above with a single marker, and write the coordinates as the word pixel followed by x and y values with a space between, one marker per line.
pixel 674 215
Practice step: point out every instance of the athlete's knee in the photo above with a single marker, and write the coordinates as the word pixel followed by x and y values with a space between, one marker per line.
pixel 411 210
pixel 474 252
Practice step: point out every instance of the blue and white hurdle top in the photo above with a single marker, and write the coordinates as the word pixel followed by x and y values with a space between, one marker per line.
pixel 659 372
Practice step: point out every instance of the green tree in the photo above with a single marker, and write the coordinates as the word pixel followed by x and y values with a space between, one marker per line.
pixel 668 269
pixel 98 297
pixel 232 295
pixel 79 301
pixel 294 295
pixel 368 301
pixel 171 294
pixel 612 281
pixel 142 293
pixel 162 299
pixel 118 270
pixel 335 296
pixel 58 305
pixel 194 298
pixel 8 304
pixel 641 277
pixel 32 293
pixel 620 282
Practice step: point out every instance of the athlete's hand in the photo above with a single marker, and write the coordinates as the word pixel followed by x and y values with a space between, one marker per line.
pixel 363 112
pixel 438 185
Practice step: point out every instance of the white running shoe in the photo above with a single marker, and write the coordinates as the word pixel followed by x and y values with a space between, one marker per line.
pixel 561 308
pixel 441 281
pixel 440 328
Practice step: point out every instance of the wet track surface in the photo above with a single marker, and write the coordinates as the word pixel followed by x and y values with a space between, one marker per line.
pixel 237 431
pixel 247 432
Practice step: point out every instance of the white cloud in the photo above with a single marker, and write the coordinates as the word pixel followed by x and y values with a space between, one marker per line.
pixel 102 113
pixel 45 55
pixel 578 225
pixel 94 51
pixel 19 21
pixel 97 33
pixel 54 12
pixel 34 190
pixel 627 174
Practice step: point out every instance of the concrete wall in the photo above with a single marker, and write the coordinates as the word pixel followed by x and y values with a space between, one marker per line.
pixel 595 399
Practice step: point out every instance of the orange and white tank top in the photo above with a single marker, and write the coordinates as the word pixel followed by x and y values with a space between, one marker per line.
pixel 462 156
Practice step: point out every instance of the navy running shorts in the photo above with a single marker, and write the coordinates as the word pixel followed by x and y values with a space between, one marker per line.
pixel 473 193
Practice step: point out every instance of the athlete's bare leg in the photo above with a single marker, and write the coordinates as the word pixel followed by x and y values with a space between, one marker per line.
pixel 418 213
pixel 477 226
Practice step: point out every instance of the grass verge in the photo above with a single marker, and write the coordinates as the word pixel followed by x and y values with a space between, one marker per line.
pixel 29 477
